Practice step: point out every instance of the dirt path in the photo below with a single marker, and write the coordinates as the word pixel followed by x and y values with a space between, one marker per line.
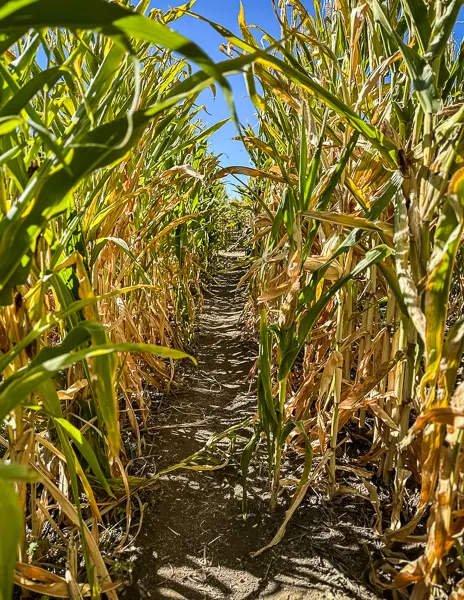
pixel 194 542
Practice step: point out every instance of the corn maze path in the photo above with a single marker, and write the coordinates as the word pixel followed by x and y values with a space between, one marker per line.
pixel 194 542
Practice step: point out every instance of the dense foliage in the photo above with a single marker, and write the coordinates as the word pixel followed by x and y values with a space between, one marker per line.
pixel 358 221
pixel 107 222
pixel 112 206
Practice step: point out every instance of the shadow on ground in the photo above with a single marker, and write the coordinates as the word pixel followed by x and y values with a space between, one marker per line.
pixel 194 543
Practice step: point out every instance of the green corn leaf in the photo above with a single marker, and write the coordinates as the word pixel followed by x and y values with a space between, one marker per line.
pixel 86 450
pixel 175 13
pixel 10 154
pixel 15 472
pixel 420 70
pixel 443 29
pixel 104 368
pixel 314 166
pixel 286 431
pixel 265 396
pixel 448 236
pixel 25 63
pixel 9 124
pixel 250 82
pixel 6 41
pixel 11 524
pixel 23 96
pixel 392 279
pixel 102 242
pixel 417 12
pixel 338 172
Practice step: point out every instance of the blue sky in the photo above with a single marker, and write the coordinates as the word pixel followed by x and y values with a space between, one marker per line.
pixel 225 12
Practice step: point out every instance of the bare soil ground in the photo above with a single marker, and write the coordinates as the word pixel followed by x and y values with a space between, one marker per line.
pixel 194 543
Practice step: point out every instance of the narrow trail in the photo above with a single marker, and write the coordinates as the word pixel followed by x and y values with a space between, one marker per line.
pixel 194 542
